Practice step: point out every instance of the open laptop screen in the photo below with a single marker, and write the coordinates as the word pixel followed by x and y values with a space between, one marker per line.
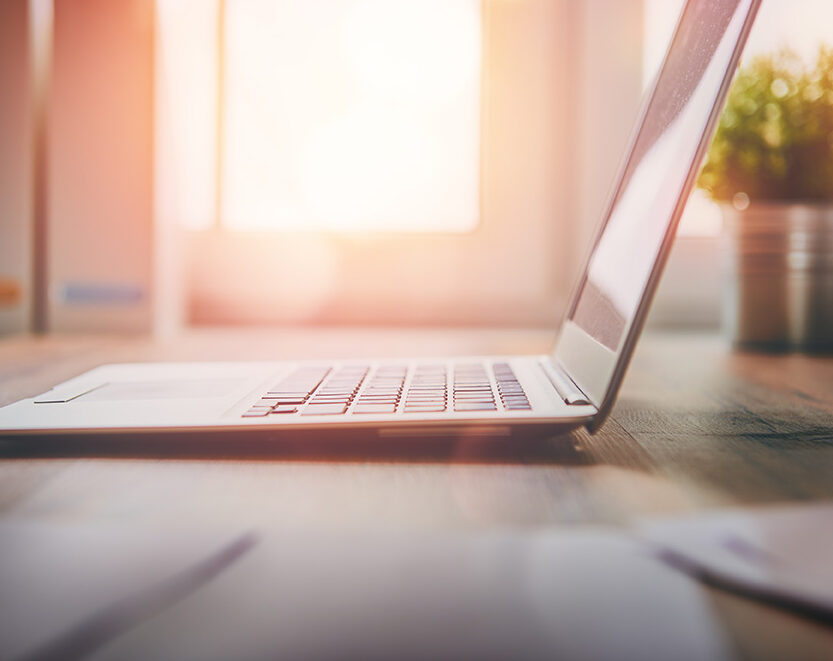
pixel 658 168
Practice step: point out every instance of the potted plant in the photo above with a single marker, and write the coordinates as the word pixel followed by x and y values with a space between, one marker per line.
pixel 770 167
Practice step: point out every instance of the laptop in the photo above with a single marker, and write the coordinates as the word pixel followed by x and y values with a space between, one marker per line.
pixel 263 405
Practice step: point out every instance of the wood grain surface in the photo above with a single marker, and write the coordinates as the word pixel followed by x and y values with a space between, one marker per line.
pixel 697 426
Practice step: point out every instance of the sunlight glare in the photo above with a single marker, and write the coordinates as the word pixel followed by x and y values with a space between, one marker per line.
pixel 352 115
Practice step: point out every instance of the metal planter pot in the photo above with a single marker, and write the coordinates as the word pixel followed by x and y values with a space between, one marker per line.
pixel 778 260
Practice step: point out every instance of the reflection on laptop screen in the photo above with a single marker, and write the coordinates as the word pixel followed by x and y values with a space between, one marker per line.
pixel 658 167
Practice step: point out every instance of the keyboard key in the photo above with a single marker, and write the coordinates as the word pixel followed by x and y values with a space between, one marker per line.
pixel 373 408
pixel 475 406
pixel 324 409
pixel 285 408
pixel 275 399
pixel 287 394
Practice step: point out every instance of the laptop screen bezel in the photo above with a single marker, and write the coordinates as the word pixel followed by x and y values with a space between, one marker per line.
pixel 597 370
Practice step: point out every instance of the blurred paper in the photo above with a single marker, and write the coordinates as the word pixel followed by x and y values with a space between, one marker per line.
pixel 779 555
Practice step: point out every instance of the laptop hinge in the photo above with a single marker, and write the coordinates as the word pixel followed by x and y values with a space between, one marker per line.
pixel 563 384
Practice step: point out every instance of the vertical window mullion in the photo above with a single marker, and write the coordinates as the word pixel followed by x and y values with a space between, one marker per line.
pixel 221 87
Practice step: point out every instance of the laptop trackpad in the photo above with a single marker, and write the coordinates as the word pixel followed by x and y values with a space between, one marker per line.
pixel 168 389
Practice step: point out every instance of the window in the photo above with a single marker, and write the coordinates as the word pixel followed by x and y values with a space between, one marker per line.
pixel 343 115
pixel 369 160
pixel 354 115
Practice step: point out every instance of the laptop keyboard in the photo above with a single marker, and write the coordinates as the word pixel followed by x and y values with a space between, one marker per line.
pixel 393 388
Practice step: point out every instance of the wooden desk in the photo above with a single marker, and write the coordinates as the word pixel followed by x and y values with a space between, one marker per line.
pixel 697 426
